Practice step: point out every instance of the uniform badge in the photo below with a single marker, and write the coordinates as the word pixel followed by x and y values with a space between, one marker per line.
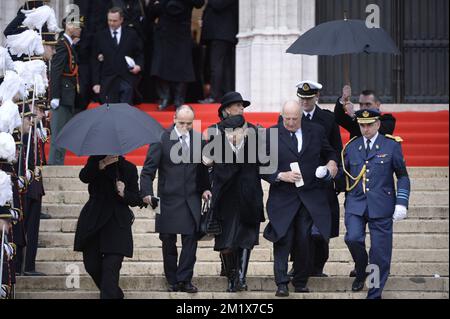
pixel 305 87
pixel 377 147
pixel 365 114
pixel 382 155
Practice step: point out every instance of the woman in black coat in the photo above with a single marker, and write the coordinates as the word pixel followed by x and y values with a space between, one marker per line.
pixel 237 196
pixel 172 62
pixel 104 227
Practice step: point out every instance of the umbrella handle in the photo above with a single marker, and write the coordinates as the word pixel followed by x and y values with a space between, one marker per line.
pixel 346 63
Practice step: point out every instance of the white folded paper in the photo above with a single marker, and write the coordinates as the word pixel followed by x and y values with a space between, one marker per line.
pixel 130 61
pixel 296 168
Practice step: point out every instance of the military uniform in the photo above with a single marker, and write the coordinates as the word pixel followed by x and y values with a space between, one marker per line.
pixel 372 198
pixel 65 89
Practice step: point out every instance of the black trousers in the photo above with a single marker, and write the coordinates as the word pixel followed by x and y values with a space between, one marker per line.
pixel 32 214
pixel 182 270
pixel 104 269
pixel 118 91
pixel 299 237
pixel 319 253
pixel 222 68
pixel 167 89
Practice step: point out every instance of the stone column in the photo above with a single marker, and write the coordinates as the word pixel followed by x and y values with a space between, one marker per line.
pixel 265 74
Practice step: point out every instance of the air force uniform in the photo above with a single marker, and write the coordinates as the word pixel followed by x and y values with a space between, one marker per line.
pixel 372 198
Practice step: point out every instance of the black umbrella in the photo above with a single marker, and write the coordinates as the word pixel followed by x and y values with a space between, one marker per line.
pixel 343 37
pixel 114 129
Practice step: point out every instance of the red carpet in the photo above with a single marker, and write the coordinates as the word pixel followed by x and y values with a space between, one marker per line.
pixel 425 135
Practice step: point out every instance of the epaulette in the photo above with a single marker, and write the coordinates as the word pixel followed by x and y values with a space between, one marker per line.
pixel 398 139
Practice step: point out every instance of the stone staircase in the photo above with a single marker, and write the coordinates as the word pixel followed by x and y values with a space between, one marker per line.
pixel 420 266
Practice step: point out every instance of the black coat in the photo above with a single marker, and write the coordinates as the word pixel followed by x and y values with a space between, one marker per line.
pixel 106 213
pixel 221 21
pixel 237 197
pixel 64 87
pixel 326 119
pixel 285 198
pixel 114 65
pixel 387 122
pixel 173 43
pixel 180 186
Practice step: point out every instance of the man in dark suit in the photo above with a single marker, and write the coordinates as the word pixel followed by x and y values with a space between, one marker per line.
pixel 219 30
pixel 64 87
pixel 345 114
pixel 177 158
pixel 172 62
pixel 308 93
pixel 296 199
pixel 115 78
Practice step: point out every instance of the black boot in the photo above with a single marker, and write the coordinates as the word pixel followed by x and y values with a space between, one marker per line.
pixel 243 267
pixel 230 262
pixel 223 273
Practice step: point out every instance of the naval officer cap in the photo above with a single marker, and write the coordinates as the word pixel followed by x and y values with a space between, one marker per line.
pixel 308 89
pixel 367 116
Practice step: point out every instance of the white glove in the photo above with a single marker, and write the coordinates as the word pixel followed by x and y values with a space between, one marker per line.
pixel 54 103
pixel 322 172
pixel 401 212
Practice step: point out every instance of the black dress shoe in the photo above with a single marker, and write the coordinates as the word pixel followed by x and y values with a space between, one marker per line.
pixel 33 273
pixel 173 288
pixel 319 275
pixel 45 216
pixel 188 287
pixel 164 104
pixel 302 289
pixel 282 291
pixel 357 285
pixel 291 272
pixel 352 273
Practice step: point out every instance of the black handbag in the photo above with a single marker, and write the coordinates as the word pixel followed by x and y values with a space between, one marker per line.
pixel 209 226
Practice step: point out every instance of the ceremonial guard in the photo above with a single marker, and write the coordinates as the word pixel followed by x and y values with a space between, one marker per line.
pixel 64 86
pixel 369 163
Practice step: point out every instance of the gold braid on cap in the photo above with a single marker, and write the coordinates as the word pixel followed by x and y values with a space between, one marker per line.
pixel 349 176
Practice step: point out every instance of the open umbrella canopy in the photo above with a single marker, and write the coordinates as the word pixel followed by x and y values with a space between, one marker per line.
pixel 343 37
pixel 114 129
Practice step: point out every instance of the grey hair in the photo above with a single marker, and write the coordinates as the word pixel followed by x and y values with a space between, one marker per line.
pixel 184 107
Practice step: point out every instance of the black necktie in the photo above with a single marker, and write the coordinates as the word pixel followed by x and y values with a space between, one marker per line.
pixel 184 148
pixel 115 38
pixel 294 141
pixel 367 147
pixel 308 116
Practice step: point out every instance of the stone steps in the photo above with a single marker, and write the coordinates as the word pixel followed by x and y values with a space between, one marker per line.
pixel 73 211
pixel 439 198
pixel 260 268
pixel 205 254
pixel 148 226
pixel 405 241
pixel 419 263
pixel 214 283
pixel 74 184
pixel 414 172
pixel 223 295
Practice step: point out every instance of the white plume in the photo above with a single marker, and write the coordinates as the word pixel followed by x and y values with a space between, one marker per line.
pixel 9 117
pixel 28 42
pixel 6 63
pixel 37 17
pixel 6 194
pixel 33 72
pixel 11 86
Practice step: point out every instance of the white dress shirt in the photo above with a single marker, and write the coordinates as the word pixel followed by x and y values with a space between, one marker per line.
pixel 372 141
pixel 118 35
